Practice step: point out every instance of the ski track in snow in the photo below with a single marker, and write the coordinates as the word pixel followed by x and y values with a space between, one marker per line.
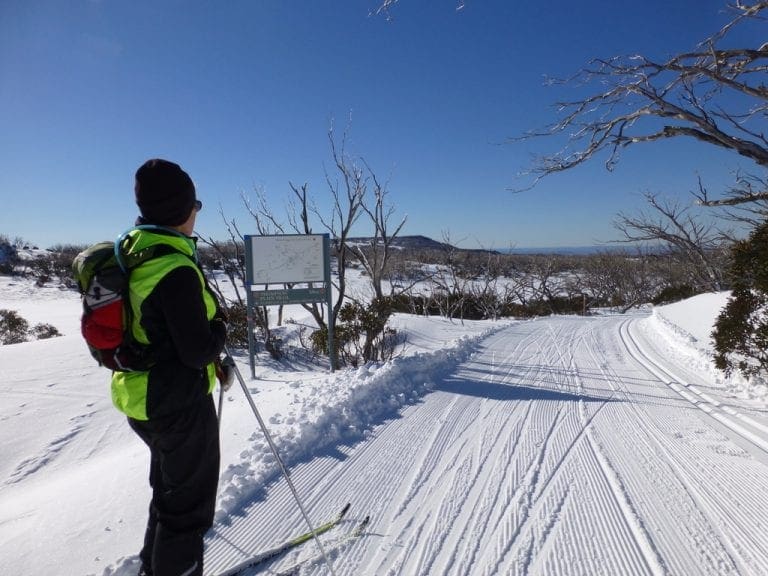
pixel 561 446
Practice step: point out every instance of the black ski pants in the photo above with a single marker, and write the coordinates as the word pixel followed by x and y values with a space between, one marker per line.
pixel 184 474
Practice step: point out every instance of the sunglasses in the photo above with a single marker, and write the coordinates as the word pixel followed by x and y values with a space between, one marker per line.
pixel 198 206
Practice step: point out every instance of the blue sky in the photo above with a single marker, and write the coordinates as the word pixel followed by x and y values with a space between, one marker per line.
pixel 242 93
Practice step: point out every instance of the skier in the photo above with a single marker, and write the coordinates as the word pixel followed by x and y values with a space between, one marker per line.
pixel 170 406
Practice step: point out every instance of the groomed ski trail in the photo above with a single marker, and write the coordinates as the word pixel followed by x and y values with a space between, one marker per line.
pixel 560 448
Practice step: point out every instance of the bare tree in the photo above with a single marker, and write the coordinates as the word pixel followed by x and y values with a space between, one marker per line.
pixel 488 290
pixel 355 192
pixel 521 287
pixel 750 213
pixel 448 282
pixel 547 280
pixel 375 257
pixel 601 277
pixel 229 256
pixel 714 94
pixel 348 187
pixel 697 242
pixel 638 282
pixel 385 7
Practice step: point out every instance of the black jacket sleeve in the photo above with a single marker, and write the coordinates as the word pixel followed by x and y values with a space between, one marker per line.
pixel 180 318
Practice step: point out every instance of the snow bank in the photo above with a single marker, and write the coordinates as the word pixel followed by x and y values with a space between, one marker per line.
pixel 692 319
pixel 686 328
pixel 339 409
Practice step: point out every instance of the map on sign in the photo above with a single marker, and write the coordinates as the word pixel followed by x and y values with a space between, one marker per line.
pixel 287 259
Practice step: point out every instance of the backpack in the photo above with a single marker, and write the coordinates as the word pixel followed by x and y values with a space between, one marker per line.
pixel 102 272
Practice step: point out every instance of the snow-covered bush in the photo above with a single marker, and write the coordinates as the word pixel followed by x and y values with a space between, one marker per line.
pixel 14 329
pixel 44 331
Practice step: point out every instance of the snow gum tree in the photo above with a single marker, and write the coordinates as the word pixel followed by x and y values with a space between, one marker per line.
pixel 355 194
pixel 695 241
pixel 715 94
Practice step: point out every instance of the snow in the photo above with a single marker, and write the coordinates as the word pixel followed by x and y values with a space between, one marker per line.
pixel 689 319
pixel 565 445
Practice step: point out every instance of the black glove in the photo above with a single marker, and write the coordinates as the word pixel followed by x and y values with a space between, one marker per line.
pixel 221 313
pixel 219 327
pixel 225 372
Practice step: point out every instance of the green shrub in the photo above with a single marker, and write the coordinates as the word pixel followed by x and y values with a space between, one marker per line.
pixel 44 331
pixel 672 294
pixel 13 328
pixel 741 330
pixel 237 325
pixel 361 333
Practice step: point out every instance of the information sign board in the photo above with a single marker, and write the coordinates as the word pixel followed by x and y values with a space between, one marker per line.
pixel 287 259
pixel 287 269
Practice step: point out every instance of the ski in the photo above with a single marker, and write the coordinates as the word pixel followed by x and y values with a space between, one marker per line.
pixel 282 548
pixel 337 544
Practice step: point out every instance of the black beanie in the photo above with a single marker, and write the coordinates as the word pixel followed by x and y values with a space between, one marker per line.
pixel 165 193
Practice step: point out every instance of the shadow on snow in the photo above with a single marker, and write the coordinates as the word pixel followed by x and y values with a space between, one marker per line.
pixel 511 393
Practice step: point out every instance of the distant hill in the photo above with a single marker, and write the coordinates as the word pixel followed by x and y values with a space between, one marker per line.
pixel 418 243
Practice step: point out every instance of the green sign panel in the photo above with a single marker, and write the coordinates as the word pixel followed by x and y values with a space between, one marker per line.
pixel 289 296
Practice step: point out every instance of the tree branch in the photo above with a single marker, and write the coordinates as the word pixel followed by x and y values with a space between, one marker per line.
pixel 687 94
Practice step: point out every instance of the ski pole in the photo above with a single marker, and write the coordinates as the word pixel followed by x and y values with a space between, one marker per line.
pixel 224 372
pixel 280 463
pixel 221 403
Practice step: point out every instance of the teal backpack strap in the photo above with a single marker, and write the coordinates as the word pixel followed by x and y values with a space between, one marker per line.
pixel 126 265
pixel 118 253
